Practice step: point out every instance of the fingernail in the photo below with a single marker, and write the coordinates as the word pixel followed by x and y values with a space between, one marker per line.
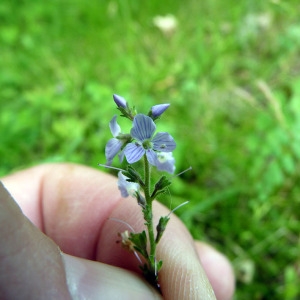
pixel 94 280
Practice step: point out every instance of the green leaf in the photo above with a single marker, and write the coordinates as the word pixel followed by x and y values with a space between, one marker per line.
pixel 159 265
pixel 140 242
pixel 160 186
pixel 160 228
pixel 133 175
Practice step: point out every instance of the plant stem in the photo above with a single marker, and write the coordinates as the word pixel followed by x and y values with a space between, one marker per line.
pixel 149 216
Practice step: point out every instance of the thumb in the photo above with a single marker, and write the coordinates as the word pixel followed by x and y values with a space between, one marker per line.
pixel 35 268
pixel 32 262
pixel 94 280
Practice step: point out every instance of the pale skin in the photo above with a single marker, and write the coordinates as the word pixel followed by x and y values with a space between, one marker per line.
pixel 62 243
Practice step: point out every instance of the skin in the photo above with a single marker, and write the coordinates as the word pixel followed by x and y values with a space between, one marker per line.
pixel 57 241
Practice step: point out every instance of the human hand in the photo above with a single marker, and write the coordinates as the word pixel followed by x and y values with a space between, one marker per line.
pixel 72 205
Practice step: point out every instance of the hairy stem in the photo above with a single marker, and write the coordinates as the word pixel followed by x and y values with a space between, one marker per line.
pixel 149 216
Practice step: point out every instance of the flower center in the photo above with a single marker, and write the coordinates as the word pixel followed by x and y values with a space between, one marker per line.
pixel 162 157
pixel 147 144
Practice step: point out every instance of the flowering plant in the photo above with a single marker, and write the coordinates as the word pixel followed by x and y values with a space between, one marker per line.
pixel 155 150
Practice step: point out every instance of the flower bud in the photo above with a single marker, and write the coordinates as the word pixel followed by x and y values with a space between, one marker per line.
pixel 158 110
pixel 120 101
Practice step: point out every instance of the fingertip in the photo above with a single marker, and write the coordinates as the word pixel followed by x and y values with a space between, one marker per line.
pixel 182 275
pixel 218 270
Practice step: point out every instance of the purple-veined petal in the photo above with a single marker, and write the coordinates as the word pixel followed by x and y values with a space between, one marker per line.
pixel 143 127
pixel 112 148
pixel 164 142
pixel 151 156
pixel 120 101
pixel 114 127
pixel 127 188
pixel 121 156
pixel 133 152
pixel 159 109
pixel 165 162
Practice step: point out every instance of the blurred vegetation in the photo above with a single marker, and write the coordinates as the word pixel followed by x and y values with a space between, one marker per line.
pixel 231 71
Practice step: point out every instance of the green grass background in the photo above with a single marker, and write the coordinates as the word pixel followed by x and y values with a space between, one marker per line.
pixel 231 71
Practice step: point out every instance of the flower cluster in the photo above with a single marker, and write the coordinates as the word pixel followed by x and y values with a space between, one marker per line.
pixel 155 150
pixel 141 139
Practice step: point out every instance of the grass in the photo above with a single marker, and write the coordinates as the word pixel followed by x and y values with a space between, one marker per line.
pixel 231 72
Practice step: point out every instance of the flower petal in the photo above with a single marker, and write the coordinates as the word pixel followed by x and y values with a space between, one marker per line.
pixel 112 148
pixel 114 127
pixel 165 162
pixel 152 158
pixel 133 152
pixel 121 156
pixel 163 142
pixel 143 127
pixel 127 188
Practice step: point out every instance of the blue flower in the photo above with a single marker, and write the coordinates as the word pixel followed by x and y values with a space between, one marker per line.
pixel 158 110
pixel 115 144
pixel 165 162
pixel 127 188
pixel 142 132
